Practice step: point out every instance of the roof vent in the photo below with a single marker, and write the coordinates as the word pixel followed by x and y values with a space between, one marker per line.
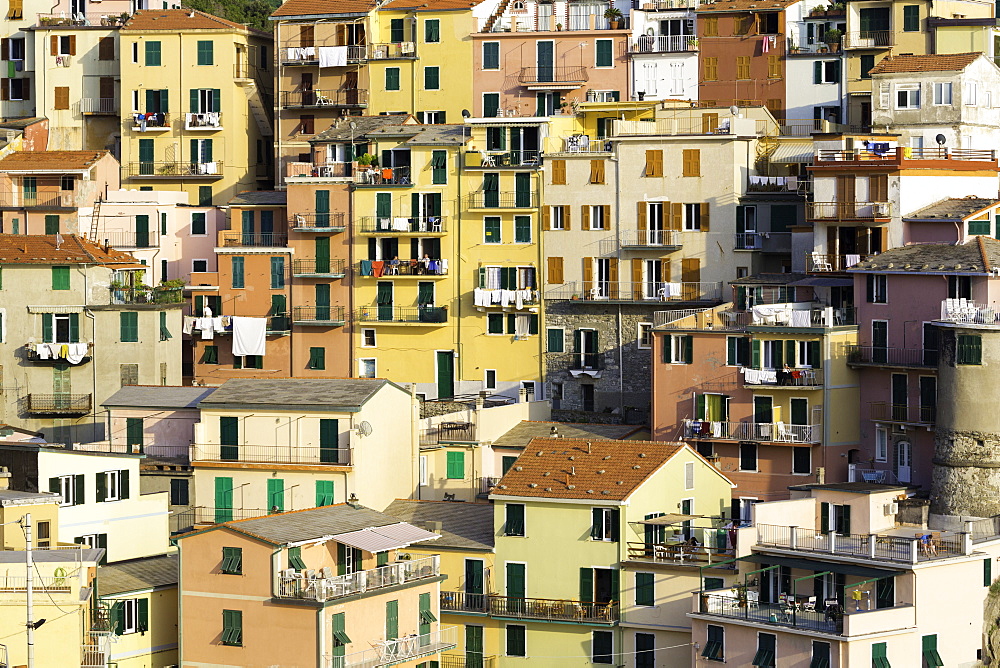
pixel 635 468
pixel 533 485
pixel 548 489
pixel 502 486
pixel 546 474
pixel 590 491
pixel 602 471
pixel 518 468
pixel 642 454
pixel 572 470
pixel 571 486
pixel 572 458
pixel 607 456
pixel 604 491
pixel 539 453
pixel 621 482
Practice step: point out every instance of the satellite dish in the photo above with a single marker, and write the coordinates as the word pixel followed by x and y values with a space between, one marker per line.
pixel 364 428
pixel 734 110
pixel 940 139
pixel 466 113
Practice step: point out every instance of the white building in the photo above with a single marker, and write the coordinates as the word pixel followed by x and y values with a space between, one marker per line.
pixel 664 51
pixel 815 70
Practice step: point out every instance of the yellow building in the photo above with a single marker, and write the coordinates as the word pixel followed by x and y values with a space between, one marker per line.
pixel 14 505
pixel 193 117
pixel 568 514
pixel 465 551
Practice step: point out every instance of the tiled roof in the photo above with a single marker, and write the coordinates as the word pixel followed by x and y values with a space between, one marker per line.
pixel 320 7
pixel 942 62
pixel 769 279
pixel 522 434
pixel 178 19
pixel 602 470
pixel 308 524
pixel 321 393
pixel 463 525
pixel 745 6
pixel 137 574
pixel 967 258
pixel 952 209
pixel 157 396
pixel 41 161
pixel 260 198
pixel 363 125
pixel 41 249
pixel 430 5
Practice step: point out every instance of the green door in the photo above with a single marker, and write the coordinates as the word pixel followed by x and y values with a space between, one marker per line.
pixel 223 499
pixel 445 374
pixel 275 495
pixel 142 231
pixel 473 647
pixel 474 584
pixel 61 386
pixel 133 434
pixel 322 292
pixel 900 401
pixel 329 440
pixel 545 60
pixel 145 157
pixel 762 410
pixel 491 190
pixel 229 435
pixel 323 255
pixel 516 586
pixel 383 298
pixel 880 341
pixel 247 228
pixel 322 208
pixel 800 411
pixel 522 189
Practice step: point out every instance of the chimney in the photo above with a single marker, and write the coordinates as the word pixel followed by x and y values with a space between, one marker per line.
pixel 554 432
pixel 4 478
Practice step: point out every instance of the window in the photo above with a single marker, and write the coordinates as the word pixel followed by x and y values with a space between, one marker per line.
pixel 881 444
pixel 678 349
pixel 979 227
pixel 825 72
pixel 324 493
pixel 878 289
pixel 711 69
pixel 692 217
pixel 879 658
pixel 456 465
pixel 61 97
pixel 602 647
pixel 605 57
pixel 206 55
pixel 987 571
pixel 392 78
pixel 522 229
pixel 179 492
pixel 867 63
pixel 15 89
pixel 513 519
pixel 204 196
pixel 597 172
pixel 439 167
pixel 654 163
pixel 491 55
pixel 820 654
pixel 516 640
pixel 490 379
pixel 232 627
pixel 970 94
pixel 367 338
pixel 556 339
pixel 128 374
pixel 238 277
pixel 232 561
pixel 130 616
pixel 711 26
pixel 969 349
pixel 198 227
pixel 278 273
pixel 765 656
pixel 689 474
pixel 715 643
pixel 491 229
pixel 748 456
pixel 60 278
pixel 366 367
pixel 129 326
pixel 644 589
pixel 432 31
pixel 164 332
pixel 70 487
pixel 908 96
pixel 112 486
pixel 604 524
pixel 742 67
pixel 645 339
pixel 737 351
pixel 152 54
pixel 691 162
pixel 942 93
pixel 802 460
pixel 774 67
pixel 911 18
pixel 210 355
pixel 432 78
pixel 317 358
pixel 960 287
pixel 42 533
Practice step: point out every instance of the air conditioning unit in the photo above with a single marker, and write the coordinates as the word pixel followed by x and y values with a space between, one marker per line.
pixel 891 508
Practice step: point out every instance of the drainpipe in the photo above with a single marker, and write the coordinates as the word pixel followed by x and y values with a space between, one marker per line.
pixel 826 399
pixel 93 357
pixel 621 354
pixel 457 259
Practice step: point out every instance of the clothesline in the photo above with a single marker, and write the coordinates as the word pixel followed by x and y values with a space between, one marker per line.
pixel 505 298
pixel 71 352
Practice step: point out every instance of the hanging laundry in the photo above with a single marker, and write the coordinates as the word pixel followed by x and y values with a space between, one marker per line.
pixel 249 336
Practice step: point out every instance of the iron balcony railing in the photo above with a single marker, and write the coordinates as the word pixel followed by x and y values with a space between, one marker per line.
pixel 150 121
pixel 399 650
pixel 447 432
pixel 650 239
pixel 99 106
pixel 42 583
pixel 131 238
pixel 308 221
pixel 876 547
pixel 321 170
pixel 147 445
pixel 467 661
pixel 428 315
pixel 882 411
pixel 782 378
pixel 532 76
pixel 647 291
pixel 205 515
pixel 773 432
pixel 238 239
pixel 324 586
pixel 59 404
pixel 680 553
pixel 348 97
pixel 491 159
pixel 576 361
pixel 383 176
pixel 392 50
pixel 823 262
pixel 147 295
pixel 967 312
pixel 174 170
pixel 211 120
pixel 868 39
pixel 495 199
pixel 26 199
pixel 278 323
pixel 902 154
pixel 271 454
pixel 329 267
pixel 295 52
pixel 553 609
pixel 861 211
pixel 390 225
pixel 663 43
pixel 461 601
pixel 886 356
pixel 318 315
pixel 402 267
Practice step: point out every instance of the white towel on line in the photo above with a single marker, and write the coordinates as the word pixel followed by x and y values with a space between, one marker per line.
pixel 249 336
pixel 332 56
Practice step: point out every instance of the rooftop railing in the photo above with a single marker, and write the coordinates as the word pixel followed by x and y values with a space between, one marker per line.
pixel 861 211
pixel 447 432
pixel 891 356
pixel 390 225
pixel 824 262
pixel 680 553
pixel 534 76
pixel 325 170
pixel 924 545
pixel 399 650
pixel 176 170
pixel 662 43
pixel 308 221
pixel 323 586
pixel 647 291
pixel 968 312
pixel 899 154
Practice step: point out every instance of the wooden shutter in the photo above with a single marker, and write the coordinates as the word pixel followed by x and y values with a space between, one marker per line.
pixel 650 160
pixel 585 217
pixel 555 271
pixel 4 89
pixel 676 215
pixel 587 585
pixel 637 278
pixel 546 217
pixel 597 171
pixel 588 274
pixel 567 211
pixel 61 97
pixel 613 277
pixel 72 45
pixel 640 217
pixel 606 218
pixel 691 270
pixel 4 49
pixel 558 172
pixel 704 216
pixel 878 190
pixel 54 45
pixel 106 48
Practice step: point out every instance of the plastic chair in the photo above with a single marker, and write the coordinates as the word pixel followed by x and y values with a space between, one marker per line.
pixel 820 263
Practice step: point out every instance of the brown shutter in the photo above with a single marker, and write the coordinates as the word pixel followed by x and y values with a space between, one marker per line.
pixel 691 270
pixel 845 188
pixel 831 240
pixel 704 216
pixel 26 89
pixel 54 45
pixel 4 89
pixel 4 49
pixel 555 271
pixel 606 223
pixel 72 45
pixel 106 48
pixel 650 167
pixel 588 276
pixel 545 217
pixel 676 215
pixel 107 88
pixel 640 217
pixel 636 278
pixel 585 217
pixel 659 163
pixel 614 290
pixel 559 172
pixel 567 210
pixel 881 237
pixel 61 97
pixel 879 188
pixel 665 270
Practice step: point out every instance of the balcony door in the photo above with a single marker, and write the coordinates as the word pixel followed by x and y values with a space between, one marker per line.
pixel 383 298
pixel 585 348
pixel 880 340
pixel 516 583
pixel 900 400
pixel 904 461
pixel 655 221
pixel 475 584
pixel 545 60
pixel 473 646
pixel 445 373
pixel 652 279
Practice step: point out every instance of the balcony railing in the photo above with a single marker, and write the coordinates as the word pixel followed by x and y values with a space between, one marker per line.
pixel 665 239
pixel 334 267
pixel 330 587
pixel 575 361
pixel 211 120
pixel 147 295
pixel 903 154
pixel 59 404
pixel 295 53
pixel 662 43
pixel 652 292
pixel 389 225
pixel 402 267
pixel 467 661
pixel 33 198
pixel 680 553
pixel 148 445
pixel 539 76
pixel 76 19
pixel 491 159
pixel 392 50
pixel 886 356
pixel 883 411
pixel 383 176
pixel 877 547
pixel 349 97
pixel 868 39
pixel 553 609
pixel 131 238
pixel 772 432
pixel 53 353
pixel 315 222
pixel 400 650
pixel 782 378
pixel 823 262
pixel 239 239
pixel 966 312
pixel 279 324
pixel 150 122
pixel 494 199
pixel 271 454
pixel 175 170
pixel 448 432
pixel 860 211
pixel 581 144
pixel 427 315
pixel 204 515
pixel 318 315
pixel 99 106
pixel 326 170
pixel 43 583
pixel 775 184
pixel 663 5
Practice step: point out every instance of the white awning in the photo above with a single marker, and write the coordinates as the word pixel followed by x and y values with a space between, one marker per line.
pixel 669 518
pixel 389 537
pixel 793 152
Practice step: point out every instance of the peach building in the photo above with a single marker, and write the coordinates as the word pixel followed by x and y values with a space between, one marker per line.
pixel 324 587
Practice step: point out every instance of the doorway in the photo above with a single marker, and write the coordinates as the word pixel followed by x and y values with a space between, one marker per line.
pixel 445 373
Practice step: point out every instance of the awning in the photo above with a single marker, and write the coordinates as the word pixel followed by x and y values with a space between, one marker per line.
pixel 824 282
pixel 820 566
pixel 793 152
pixel 380 539
pixel 669 518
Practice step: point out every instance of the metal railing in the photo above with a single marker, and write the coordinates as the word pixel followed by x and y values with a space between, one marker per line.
pixel 328 267
pixel 447 432
pixel 848 210
pixel 270 454
pixel 50 583
pixel 293 52
pixel 75 19
pixel 175 169
pixel 775 184
pixel 679 553
pixel 147 295
pixel 879 547
pixel 868 39
pixel 823 262
pixel 653 292
pixel 886 356
pixel 661 5
pixel 783 377
pixel 399 650
pixel 383 176
pixel 968 312
pixel 883 411
pixel 495 199
pixel 278 323
pixel 310 221
pixel 94 655
pixel 575 361
pixel 428 315
pixel 324 170
pixel 344 97
pixel 774 432
pixel 34 198
pixel 904 153
pixel 203 121
pixel 581 144
pixel 59 404
pixel 665 319
pixel 553 609
pixel 390 225
pixel 328 587
pixel 467 661
pixel 148 446
pixel 142 122
pixel 237 239
pixel 319 315
pixel 391 50
pixel 490 159
pixel 662 43
pixel 554 74
pixel 99 105
pixel 402 267
pixel 650 238
pixel 487 483
pixel 131 238
pixel 879 476
pixel 204 515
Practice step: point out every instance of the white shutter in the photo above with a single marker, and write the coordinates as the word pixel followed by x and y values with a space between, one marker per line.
pixel 883 96
pixel 688 475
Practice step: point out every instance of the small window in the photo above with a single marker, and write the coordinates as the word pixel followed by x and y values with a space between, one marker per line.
pixel 490 379
pixel 232 561
pixel 199 266
pixel 456 465
pixel 232 627
pixel 516 640
pixel 491 229
pixel 604 524
pixel 867 63
pixel 432 31
pixel 911 18
pixel 522 229
pixel 491 55
pixel 688 475
pixel 153 54
pixel 969 349
pixel 878 289
pixel 198 225
pixel 513 519
pixel 692 217
pixel 179 492
pixel 603 647
pixel 645 591
pixel 908 96
pixel 366 367
pixel 678 349
pixel 715 643
pixel 317 358
pixel 605 53
pixel 60 278
pixel 942 94
pixel 112 486
pixel 392 78
pixel 206 55
pixel 432 78
pixel 881 444
pixel 801 460
pixel 691 163
pixel 368 338
pixel 766 655
pixel 748 456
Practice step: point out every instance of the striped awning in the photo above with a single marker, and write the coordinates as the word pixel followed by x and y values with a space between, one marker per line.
pixel 793 152
pixel 389 537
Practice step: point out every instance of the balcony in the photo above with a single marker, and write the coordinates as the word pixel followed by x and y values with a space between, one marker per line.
pixel 320 98
pixel 293 52
pixel 77 19
pixel 426 268
pixel 278 324
pixel 494 199
pixel 211 120
pixel 401 650
pixel 392 51
pixel 849 211
pixel 550 78
pixel 667 5
pixel 130 239
pixel 385 176
pixel 150 122
pixel 390 315
pixel 201 516
pixel 496 298
pixel 318 222
pixel 868 39
pixel 312 455
pixel 52 353
pixel 901 546
pixel 402 225
pixel 577 144
pixel 966 312
pixel 59 404
pixel 763 432
pixel 811 379
pixel 332 268
pixel 176 170
pixel 882 411
pixel 466 661
pixel 329 588
pixel 820 263
pixel 660 240
pixel 879 356
pixel 34 199
pixel 662 43
pixel 681 554
pixel 146 295
pixel 495 159
pixel 648 292
pixel 552 610
pixel 448 432
pixel 240 240
pixel 326 170
pixel 99 106
pixel 319 316
pixel 778 184
pixel 888 157
pixel 766 242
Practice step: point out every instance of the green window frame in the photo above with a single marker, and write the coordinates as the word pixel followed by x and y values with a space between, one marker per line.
pixel 602 647
pixel 439 167
pixel 392 78
pixel 491 57
pixel 929 651
pixel 51 224
pixel 879 659
pixel 152 49
pixel 516 639
pixel 969 349
pixel 645 593
pixel 275 495
pixel 867 63
pixel 911 18
pixel 491 230
pixel 232 561
pixel 432 78
pixel 522 229
pixel 198 225
pixel 396 31
pixel 239 278
pixel 204 196
pixel 987 572
pixel 979 227
pixel 494 323
pixel 60 278
pixel 432 31
pixel 278 273
pixel 605 55
pixel 556 340
pixel 317 358
pixel 513 519
pixel 232 627
pixel 456 465
pixel 295 559
pixel 324 493
pixel 715 641
pixel 206 53
pixel 128 326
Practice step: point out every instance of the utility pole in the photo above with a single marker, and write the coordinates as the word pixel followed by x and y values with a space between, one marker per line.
pixel 29 586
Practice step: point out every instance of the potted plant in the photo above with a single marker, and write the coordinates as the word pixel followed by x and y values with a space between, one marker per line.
pixel 366 161
pixel 792 46
pixel 559 27
pixel 832 39
pixel 692 43
pixel 817 11
pixel 614 16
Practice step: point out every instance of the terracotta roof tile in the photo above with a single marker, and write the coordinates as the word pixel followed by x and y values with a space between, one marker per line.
pixel 745 6
pixel 59 161
pixel 944 62
pixel 430 5
pixel 41 249
pixel 953 209
pixel 567 468
pixel 319 7
pixel 178 19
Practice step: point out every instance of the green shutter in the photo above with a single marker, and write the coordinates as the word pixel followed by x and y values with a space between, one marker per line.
pixel 60 278
pixel 78 490
pixel 432 78
pixel 555 340
pixel 118 617
pixel 142 624
pixel 439 163
pixel 51 224
pixel 128 326
pixel 278 273
pixel 987 572
pixel 688 349
pixel 392 78
pixel 605 57
pixel 102 487
pixel 911 18
pixel 391 620
pixel 817 72
pixel 432 30
pixel 223 499
pixel 755 354
pixel 74 328
pixel 522 229
pixel 232 627
pixel 324 493
pixel 133 432
pixel 644 589
pixel 205 53
pixel 275 495
pixel 295 559
pixel 667 353
pixel 123 484
pixel 152 53
pixel 232 560
pixel 340 637
pixel 456 465
pixel 587 585
pixel 329 441
pixel 238 277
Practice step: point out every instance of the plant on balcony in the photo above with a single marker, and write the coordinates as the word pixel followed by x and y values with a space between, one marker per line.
pixel 692 42
pixel 559 27
pixel 367 160
pixel 792 46
pixel 614 16
pixel 832 39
